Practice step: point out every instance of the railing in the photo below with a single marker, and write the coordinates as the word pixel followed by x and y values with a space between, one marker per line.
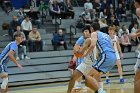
pixel 71 33
pixel 57 24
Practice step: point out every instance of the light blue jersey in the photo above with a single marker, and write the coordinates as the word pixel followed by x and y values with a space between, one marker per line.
pixel 80 42
pixel 4 58
pixel 106 54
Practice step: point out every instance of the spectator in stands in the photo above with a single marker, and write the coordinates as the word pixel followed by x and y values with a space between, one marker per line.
pixel 43 8
pixel 96 6
pixel 26 26
pixel 121 13
pixel 122 30
pixel 55 9
pixel 35 42
pixel 22 45
pixel 87 16
pixel 113 21
pixel 63 9
pixel 134 40
pixel 88 5
pixel 70 11
pixel 104 5
pixel 21 14
pixel 13 24
pixel 33 15
pixel 125 42
pixel 103 14
pixel 59 39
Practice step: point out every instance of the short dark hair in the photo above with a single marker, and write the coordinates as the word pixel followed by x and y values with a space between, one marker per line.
pixel 87 27
pixel 96 26
pixel 138 1
pixel 17 34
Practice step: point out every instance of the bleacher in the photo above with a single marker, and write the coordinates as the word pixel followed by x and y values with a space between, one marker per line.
pixel 52 66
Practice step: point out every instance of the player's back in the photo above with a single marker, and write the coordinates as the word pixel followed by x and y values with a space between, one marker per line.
pixel 104 44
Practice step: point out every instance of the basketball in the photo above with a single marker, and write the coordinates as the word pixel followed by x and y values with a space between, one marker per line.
pixel 78 55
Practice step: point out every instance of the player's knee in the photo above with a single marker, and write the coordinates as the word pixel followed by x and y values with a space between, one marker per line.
pixel 4 83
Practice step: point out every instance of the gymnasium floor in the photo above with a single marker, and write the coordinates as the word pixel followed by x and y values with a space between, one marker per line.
pixel 114 87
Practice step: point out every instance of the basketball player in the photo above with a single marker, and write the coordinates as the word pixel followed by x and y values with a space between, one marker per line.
pixel 6 55
pixel 85 66
pixel 137 66
pixel 117 49
pixel 106 58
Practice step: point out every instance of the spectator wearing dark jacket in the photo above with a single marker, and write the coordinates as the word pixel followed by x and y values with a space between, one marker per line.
pixel 33 15
pixel 59 39
pixel 13 25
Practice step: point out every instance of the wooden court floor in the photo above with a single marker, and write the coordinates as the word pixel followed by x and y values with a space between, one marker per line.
pixel 114 87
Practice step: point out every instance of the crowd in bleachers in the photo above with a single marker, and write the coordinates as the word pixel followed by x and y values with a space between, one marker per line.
pixel 104 11
pixel 109 14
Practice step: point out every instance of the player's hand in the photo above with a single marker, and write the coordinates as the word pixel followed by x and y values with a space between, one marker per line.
pixel 20 66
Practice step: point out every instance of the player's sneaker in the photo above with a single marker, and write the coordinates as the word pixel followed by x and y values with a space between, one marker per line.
pixel 107 81
pixel 122 80
pixel 26 57
pixel 78 85
pixel 17 58
pixel 101 91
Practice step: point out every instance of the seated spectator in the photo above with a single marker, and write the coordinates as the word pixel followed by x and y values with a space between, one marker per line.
pixel 70 11
pixel 33 15
pixel 55 9
pixel 113 21
pixel 96 6
pixel 59 39
pixel 121 13
pixel 13 24
pixel 136 39
pixel 125 42
pixel 21 14
pixel 22 45
pixel 104 5
pixel 103 14
pixel 88 5
pixel 43 8
pixel 35 42
pixel 122 30
pixel 87 16
pixel 26 26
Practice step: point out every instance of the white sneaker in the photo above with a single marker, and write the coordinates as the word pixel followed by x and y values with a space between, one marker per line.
pixel 101 91
pixel 22 56
pixel 78 85
pixel 17 58
pixel 26 57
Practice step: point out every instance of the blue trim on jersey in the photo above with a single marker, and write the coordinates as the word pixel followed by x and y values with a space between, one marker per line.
pixel 100 49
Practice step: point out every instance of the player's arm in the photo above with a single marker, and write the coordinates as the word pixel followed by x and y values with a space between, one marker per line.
pixel 119 48
pixel 93 43
pixel 85 46
pixel 11 56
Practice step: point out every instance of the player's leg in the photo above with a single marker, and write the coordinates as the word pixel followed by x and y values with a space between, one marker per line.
pixel 120 71
pixel 92 82
pixel 4 85
pixel 77 74
pixel 107 78
pixel 137 81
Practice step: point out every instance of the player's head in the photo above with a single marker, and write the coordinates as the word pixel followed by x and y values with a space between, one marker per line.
pixel 18 37
pixel 86 31
pixel 137 3
pixel 95 26
pixel 138 12
pixel 111 30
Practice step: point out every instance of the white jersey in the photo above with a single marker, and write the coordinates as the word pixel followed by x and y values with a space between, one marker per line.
pixel 90 57
pixel 114 42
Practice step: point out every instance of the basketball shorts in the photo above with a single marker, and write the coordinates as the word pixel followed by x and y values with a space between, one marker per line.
pixel 85 67
pixel 105 62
